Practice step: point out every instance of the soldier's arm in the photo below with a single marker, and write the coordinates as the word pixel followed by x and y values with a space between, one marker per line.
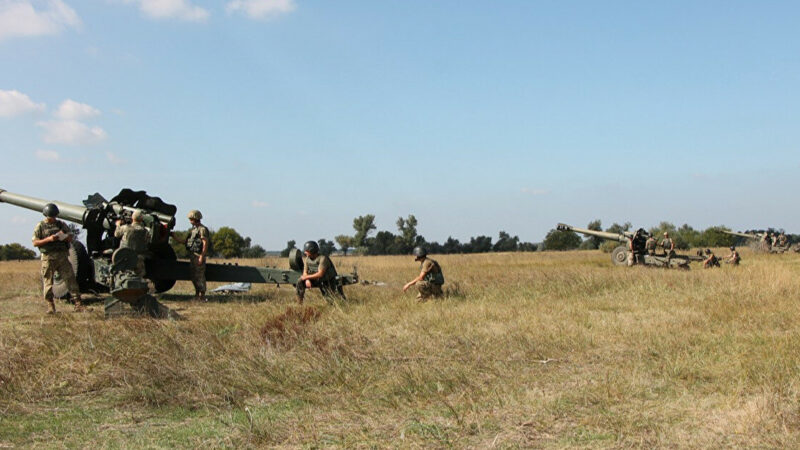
pixel 323 267
pixel 419 278
pixel 39 240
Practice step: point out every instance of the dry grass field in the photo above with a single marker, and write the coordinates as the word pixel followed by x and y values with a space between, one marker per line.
pixel 528 350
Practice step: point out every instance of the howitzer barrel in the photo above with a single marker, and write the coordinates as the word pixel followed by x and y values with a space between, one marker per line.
pixel 66 211
pixel 601 234
pixel 744 235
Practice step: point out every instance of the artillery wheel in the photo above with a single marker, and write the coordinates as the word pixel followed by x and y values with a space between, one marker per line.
pixel 164 251
pixel 296 260
pixel 82 266
pixel 619 256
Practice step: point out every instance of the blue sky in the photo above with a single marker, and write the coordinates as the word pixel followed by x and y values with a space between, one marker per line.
pixel 288 118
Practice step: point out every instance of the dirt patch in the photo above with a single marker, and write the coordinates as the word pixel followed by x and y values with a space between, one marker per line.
pixel 284 329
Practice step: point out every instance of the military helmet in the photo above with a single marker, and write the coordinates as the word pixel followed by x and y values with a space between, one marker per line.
pixel 311 247
pixel 195 214
pixel 50 210
pixel 708 251
pixel 733 248
pixel 137 216
pixel 419 252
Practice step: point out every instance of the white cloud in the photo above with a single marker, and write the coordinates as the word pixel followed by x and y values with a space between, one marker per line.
pixel 47 155
pixel 260 9
pixel 14 103
pixel 171 9
pixel 114 159
pixel 72 110
pixel 259 204
pixel 71 132
pixel 20 18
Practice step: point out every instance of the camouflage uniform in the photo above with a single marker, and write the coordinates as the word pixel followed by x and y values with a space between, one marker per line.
pixel 431 284
pixel 650 246
pixel 328 284
pixel 135 237
pixel 668 245
pixel 55 258
pixel 194 243
pixel 733 258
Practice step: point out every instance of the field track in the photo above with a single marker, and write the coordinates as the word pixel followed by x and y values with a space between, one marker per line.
pixel 528 350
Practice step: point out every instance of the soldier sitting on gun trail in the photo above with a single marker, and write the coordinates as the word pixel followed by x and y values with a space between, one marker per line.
pixel 733 258
pixel 52 237
pixel 318 271
pixel 430 279
pixel 134 236
pixel 711 260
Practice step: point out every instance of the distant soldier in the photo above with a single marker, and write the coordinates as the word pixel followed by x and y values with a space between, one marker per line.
pixel 766 242
pixel 650 245
pixel 711 260
pixel 668 245
pixel 733 257
pixel 430 279
pixel 636 247
pixel 318 271
pixel 52 237
pixel 135 237
pixel 197 243
pixel 783 240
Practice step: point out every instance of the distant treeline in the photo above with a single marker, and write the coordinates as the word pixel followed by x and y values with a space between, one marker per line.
pixel 15 252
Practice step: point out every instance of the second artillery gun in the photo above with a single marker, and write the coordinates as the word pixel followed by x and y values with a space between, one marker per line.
pixel 102 267
pixel 621 255
pixel 762 242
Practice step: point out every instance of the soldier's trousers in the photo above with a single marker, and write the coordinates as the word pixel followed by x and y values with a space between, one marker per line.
pixel 197 274
pixel 330 289
pixel 427 289
pixel 58 262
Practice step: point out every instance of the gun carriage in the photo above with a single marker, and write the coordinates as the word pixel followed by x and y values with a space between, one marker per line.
pixel 102 267
pixel 760 242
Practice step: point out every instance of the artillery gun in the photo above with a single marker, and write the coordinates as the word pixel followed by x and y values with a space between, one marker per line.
pixel 621 254
pixel 102 267
pixel 761 242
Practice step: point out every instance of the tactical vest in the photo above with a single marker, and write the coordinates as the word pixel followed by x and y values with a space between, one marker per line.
pixel 435 275
pixel 194 243
pixel 49 229
pixel 312 267
pixel 135 237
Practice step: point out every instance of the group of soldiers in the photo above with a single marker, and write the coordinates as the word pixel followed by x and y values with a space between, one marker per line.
pixel 53 237
pixel 638 245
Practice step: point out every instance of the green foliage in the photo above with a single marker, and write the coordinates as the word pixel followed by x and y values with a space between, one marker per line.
pixel 561 240
pixel 228 242
pixel 289 246
pixel 363 226
pixel 15 252
pixel 407 237
pixel 326 247
pixel 480 244
pixel 345 242
pixel 179 247
pixel 506 243
pixel 714 237
pixel 593 242
pixel 255 251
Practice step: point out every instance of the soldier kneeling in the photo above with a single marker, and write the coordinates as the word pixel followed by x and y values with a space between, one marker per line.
pixel 430 280
pixel 318 271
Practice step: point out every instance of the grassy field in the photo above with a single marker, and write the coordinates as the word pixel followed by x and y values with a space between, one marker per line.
pixel 527 350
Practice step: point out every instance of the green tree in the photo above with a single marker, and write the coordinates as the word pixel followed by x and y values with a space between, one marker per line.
pixel 561 240
pixel 179 247
pixel 384 243
pixel 593 242
pixel 326 247
pixel 15 252
pixel 506 243
pixel 345 242
pixel 714 237
pixel 451 245
pixel 363 226
pixel 479 244
pixel 289 246
pixel 255 251
pixel 228 242
pixel 407 237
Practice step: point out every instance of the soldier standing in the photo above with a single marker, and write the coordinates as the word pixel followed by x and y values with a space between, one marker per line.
pixel 668 245
pixel 135 237
pixel 650 245
pixel 733 258
pixel 197 243
pixel 430 279
pixel 52 237
pixel 318 271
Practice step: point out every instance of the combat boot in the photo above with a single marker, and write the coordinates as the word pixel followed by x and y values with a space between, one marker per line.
pixel 52 309
pixel 79 305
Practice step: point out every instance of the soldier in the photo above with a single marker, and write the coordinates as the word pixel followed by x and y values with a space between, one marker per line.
pixel 711 260
pixel 135 237
pixel 52 237
pixel 783 240
pixel 318 271
pixel 430 279
pixel 733 257
pixel 197 243
pixel 650 245
pixel 668 245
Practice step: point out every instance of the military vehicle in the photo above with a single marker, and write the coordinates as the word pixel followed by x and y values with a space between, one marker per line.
pixel 102 267
pixel 621 255
pixel 762 242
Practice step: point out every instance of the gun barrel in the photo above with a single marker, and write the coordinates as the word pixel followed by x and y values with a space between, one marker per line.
pixel 66 211
pixel 601 234
pixel 744 235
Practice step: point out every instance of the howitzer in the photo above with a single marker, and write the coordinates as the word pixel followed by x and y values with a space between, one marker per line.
pixel 101 266
pixel 762 242
pixel 622 256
